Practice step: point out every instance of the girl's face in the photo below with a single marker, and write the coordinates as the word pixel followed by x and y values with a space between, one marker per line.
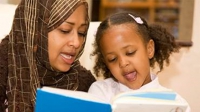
pixel 126 55
pixel 65 42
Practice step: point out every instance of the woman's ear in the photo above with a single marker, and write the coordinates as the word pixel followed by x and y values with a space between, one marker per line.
pixel 150 48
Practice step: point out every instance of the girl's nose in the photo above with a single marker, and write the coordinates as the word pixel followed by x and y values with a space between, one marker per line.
pixel 123 63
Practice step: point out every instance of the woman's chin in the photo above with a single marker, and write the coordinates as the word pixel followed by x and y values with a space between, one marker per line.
pixel 62 68
pixel 65 69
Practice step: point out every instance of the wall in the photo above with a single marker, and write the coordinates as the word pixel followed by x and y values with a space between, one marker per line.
pixel 3 1
pixel 183 74
pixel 90 7
pixel 10 1
pixel 17 1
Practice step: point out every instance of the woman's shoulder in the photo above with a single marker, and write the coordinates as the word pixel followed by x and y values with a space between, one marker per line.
pixel 4 56
pixel 85 78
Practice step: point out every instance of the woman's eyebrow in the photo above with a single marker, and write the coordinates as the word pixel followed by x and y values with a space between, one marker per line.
pixel 84 24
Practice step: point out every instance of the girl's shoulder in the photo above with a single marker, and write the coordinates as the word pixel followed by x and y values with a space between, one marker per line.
pixel 109 85
pixel 104 89
pixel 109 82
pixel 106 86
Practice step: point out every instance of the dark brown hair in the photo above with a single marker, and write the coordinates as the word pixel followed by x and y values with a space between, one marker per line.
pixel 164 42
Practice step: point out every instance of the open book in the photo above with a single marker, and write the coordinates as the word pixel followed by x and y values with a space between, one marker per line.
pixel 59 100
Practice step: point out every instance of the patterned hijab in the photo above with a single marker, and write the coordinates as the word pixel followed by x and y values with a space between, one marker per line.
pixel 28 63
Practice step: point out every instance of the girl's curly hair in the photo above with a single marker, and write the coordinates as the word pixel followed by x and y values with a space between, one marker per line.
pixel 164 42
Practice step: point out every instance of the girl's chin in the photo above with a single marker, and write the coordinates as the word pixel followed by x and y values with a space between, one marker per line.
pixel 134 87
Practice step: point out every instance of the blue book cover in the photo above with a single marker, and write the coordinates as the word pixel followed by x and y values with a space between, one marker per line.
pixel 47 101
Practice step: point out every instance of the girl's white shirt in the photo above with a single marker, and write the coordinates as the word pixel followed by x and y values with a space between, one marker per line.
pixel 108 88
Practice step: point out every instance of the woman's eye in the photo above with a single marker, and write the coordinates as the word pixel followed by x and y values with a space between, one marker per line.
pixel 130 53
pixel 82 34
pixel 64 31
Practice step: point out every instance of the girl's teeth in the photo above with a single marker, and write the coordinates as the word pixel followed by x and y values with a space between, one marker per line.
pixel 66 56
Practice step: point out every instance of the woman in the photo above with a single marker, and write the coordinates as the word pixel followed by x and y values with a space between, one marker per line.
pixel 42 49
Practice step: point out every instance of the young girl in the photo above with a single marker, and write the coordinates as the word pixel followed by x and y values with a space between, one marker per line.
pixel 43 49
pixel 125 48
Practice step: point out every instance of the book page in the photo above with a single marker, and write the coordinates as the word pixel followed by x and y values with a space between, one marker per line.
pixel 148 101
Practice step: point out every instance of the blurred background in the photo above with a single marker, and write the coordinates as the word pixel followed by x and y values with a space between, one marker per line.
pixel 169 13
pixel 165 12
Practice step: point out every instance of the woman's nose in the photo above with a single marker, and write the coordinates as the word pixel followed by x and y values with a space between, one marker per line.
pixel 75 40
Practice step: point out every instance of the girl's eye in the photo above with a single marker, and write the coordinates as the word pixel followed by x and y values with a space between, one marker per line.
pixel 130 53
pixel 111 60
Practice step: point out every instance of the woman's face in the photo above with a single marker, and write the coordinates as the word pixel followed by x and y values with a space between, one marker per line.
pixel 65 42
pixel 126 55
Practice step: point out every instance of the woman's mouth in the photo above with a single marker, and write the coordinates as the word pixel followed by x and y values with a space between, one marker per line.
pixel 132 76
pixel 67 58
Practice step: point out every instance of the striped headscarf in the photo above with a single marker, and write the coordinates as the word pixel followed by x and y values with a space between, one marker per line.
pixel 28 63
